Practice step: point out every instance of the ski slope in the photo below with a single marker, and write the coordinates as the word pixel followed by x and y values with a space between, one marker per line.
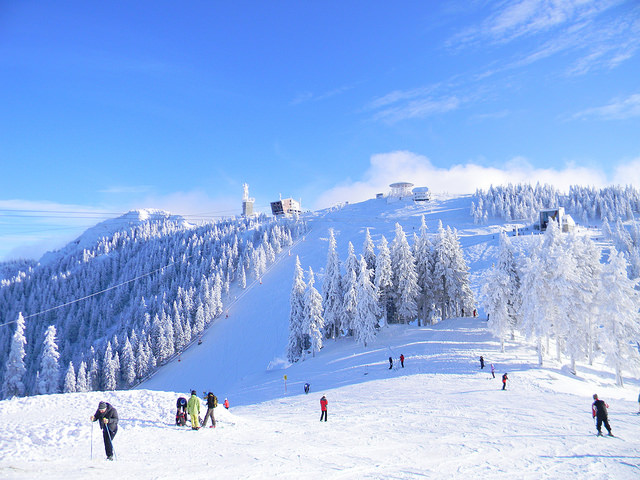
pixel 440 417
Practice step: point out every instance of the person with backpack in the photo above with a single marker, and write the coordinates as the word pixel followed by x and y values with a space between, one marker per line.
pixel 212 402
pixel 599 412
pixel 107 416
pixel 323 408
pixel 193 407
pixel 181 413
pixel 504 381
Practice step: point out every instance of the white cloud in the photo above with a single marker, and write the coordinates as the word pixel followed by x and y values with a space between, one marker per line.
pixel 405 166
pixel 617 109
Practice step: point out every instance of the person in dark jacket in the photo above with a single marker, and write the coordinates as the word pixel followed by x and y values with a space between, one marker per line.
pixel 323 408
pixel 481 362
pixel 107 416
pixel 212 402
pixel 599 412
pixel 181 413
pixel 390 363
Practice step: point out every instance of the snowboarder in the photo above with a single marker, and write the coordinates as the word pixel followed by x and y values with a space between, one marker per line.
pixel 212 402
pixel 402 360
pixel 481 362
pixel 107 416
pixel 493 371
pixel 323 408
pixel 181 413
pixel 599 412
pixel 390 363
pixel 504 381
pixel 193 407
pixel 226 404
pixel 306 388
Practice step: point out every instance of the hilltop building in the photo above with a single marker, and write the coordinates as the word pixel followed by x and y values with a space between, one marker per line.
pixel 403 191
pixel 564 221
pixel 247 203
pixel 285 206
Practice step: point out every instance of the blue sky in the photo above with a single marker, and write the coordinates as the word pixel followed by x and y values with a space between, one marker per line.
pixel 110 106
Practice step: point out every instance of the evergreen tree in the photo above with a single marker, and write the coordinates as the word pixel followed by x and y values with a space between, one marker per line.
pixel 109 380
pixel 368 311
pixel 422 255
pixel 49 379
pixel 384 280
pixel 368 251
pixel 128 367
pixel 70 380
pixel 81 379
pixel 296 315
pixel 405 280
pixel 313 320
pixel 619 306
pixel 15 368
pixel 332 291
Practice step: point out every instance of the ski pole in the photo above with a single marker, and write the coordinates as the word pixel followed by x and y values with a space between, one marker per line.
pixel 92 440
pixel 106 427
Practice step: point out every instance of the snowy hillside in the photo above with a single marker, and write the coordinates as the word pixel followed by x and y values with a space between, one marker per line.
pixel 440 417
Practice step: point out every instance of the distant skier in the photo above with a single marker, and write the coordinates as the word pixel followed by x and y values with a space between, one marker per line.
pixel 306 388
pixel 504 381
pixel 402 360
pixel 226 404
pixel 108 418
pixel 493 371
pixel 599 412
pixel 390 363
pixel 323 408
pixel 481 362
pixel 212 402
pixel 475 313
pixel 193 407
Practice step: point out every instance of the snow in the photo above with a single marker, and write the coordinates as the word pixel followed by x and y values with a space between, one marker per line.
pixel 439 417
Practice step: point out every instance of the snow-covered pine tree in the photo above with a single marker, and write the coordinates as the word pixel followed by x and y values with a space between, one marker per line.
pixel 314 322
pixel 368 311
pixel 422 255
pixel 81 378
pixel 368 251
pixel 296 314
pixel 70 380
pixel 13 384
pixel 49 378
pixel 405 280
pixel 332 291
pixel 128 366
pixel 619 306
pixel 350 302
pixel 109 379
pixel 461 296
pixel 384 280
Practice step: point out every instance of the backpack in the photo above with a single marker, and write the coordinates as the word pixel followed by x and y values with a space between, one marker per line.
pixel 215 401
pixel 212 400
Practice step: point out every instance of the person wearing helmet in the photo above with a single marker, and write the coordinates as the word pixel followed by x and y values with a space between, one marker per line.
pixel 193 407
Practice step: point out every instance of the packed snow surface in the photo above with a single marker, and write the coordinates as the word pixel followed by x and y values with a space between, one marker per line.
pixel 440 417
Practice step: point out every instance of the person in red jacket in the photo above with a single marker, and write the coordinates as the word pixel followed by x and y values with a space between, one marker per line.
pixel 402 360
pixel 323 408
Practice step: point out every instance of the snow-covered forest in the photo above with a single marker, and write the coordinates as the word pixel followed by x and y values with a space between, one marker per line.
pixel 425 283
pixel 103 313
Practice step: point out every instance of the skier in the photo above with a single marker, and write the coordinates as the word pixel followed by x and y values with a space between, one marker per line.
pixel 108 418
pixel 181 413
pixel 493 371
pixel 402 360
pixel 323 408
pixel 599 412
pixel 481 362
pixel 212 402
pixel 306 388
pixel 226 404
pixel 475 313
pixel 193 407
pixel 504 381
pixel 390 363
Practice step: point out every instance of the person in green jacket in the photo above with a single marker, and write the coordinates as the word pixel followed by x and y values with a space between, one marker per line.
pixel 193 407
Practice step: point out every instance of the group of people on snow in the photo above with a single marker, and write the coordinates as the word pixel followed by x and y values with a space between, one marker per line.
pixel 401 361
pixel 493 373
pixel 192 407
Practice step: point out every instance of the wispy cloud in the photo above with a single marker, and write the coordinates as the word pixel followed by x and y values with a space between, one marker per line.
pixel 305 97
pixel 387 168
pixel 617 109
pixel 419 108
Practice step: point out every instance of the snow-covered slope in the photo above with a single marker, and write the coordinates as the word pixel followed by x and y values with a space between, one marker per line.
pixel 439 417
